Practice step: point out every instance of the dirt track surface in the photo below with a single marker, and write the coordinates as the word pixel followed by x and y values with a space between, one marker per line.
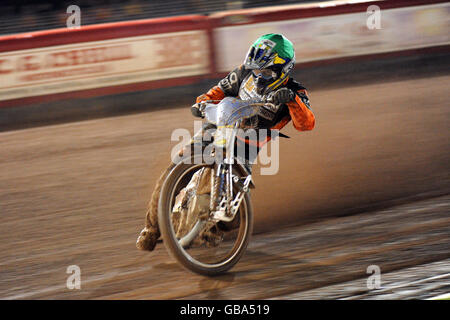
pixel 426 281
pixel 75 194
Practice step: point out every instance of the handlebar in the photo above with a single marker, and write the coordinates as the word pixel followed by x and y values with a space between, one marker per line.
pixel 202 105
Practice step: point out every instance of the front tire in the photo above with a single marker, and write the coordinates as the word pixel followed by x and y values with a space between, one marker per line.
pixel 175 249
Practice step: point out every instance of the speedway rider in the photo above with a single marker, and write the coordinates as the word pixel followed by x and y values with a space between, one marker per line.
pixel 265 74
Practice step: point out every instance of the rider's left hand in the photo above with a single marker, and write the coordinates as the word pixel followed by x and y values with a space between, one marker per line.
pixel 196 110
pixel 283 95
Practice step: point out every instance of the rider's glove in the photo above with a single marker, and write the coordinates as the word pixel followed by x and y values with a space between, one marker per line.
pixel 196 110
pixel 283 95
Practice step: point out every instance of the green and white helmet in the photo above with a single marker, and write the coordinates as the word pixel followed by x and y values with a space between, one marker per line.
pixel 274 52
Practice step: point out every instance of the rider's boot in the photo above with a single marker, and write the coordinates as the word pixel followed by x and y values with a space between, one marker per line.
pixel 148 238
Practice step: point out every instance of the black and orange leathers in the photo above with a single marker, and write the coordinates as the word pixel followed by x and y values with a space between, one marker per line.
pixel 298 110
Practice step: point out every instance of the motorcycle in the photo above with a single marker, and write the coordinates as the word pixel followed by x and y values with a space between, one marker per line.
pixel 205 214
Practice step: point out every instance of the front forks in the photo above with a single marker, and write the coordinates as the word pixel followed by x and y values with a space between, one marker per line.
pixel 222 188
pixel 224 205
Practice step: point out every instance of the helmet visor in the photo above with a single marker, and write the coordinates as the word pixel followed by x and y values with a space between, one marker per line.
pixel 266 74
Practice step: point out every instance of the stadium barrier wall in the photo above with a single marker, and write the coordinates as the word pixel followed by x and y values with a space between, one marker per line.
pixel 132 56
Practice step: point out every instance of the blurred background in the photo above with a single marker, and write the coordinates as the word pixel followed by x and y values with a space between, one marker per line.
pixel 86 117
pixel 32 15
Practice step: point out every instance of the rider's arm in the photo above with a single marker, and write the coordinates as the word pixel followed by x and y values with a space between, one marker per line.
pixel 301 114
pixel 215 93
pixel 227 87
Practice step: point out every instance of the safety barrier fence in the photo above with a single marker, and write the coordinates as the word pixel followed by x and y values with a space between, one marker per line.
pixel 139 55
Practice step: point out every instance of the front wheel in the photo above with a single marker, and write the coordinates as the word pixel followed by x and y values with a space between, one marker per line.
pixel 193 249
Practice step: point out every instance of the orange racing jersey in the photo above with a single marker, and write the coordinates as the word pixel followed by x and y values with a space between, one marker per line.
pixel 238 83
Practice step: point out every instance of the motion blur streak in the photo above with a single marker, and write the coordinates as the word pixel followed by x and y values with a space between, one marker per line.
pixel 75 194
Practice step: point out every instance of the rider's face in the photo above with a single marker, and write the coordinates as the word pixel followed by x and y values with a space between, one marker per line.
pixel 266 74
pixel 263 78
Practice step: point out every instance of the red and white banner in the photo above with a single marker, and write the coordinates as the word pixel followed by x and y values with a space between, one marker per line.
pixel 95 64
pixel 147 54
pixel 342 35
